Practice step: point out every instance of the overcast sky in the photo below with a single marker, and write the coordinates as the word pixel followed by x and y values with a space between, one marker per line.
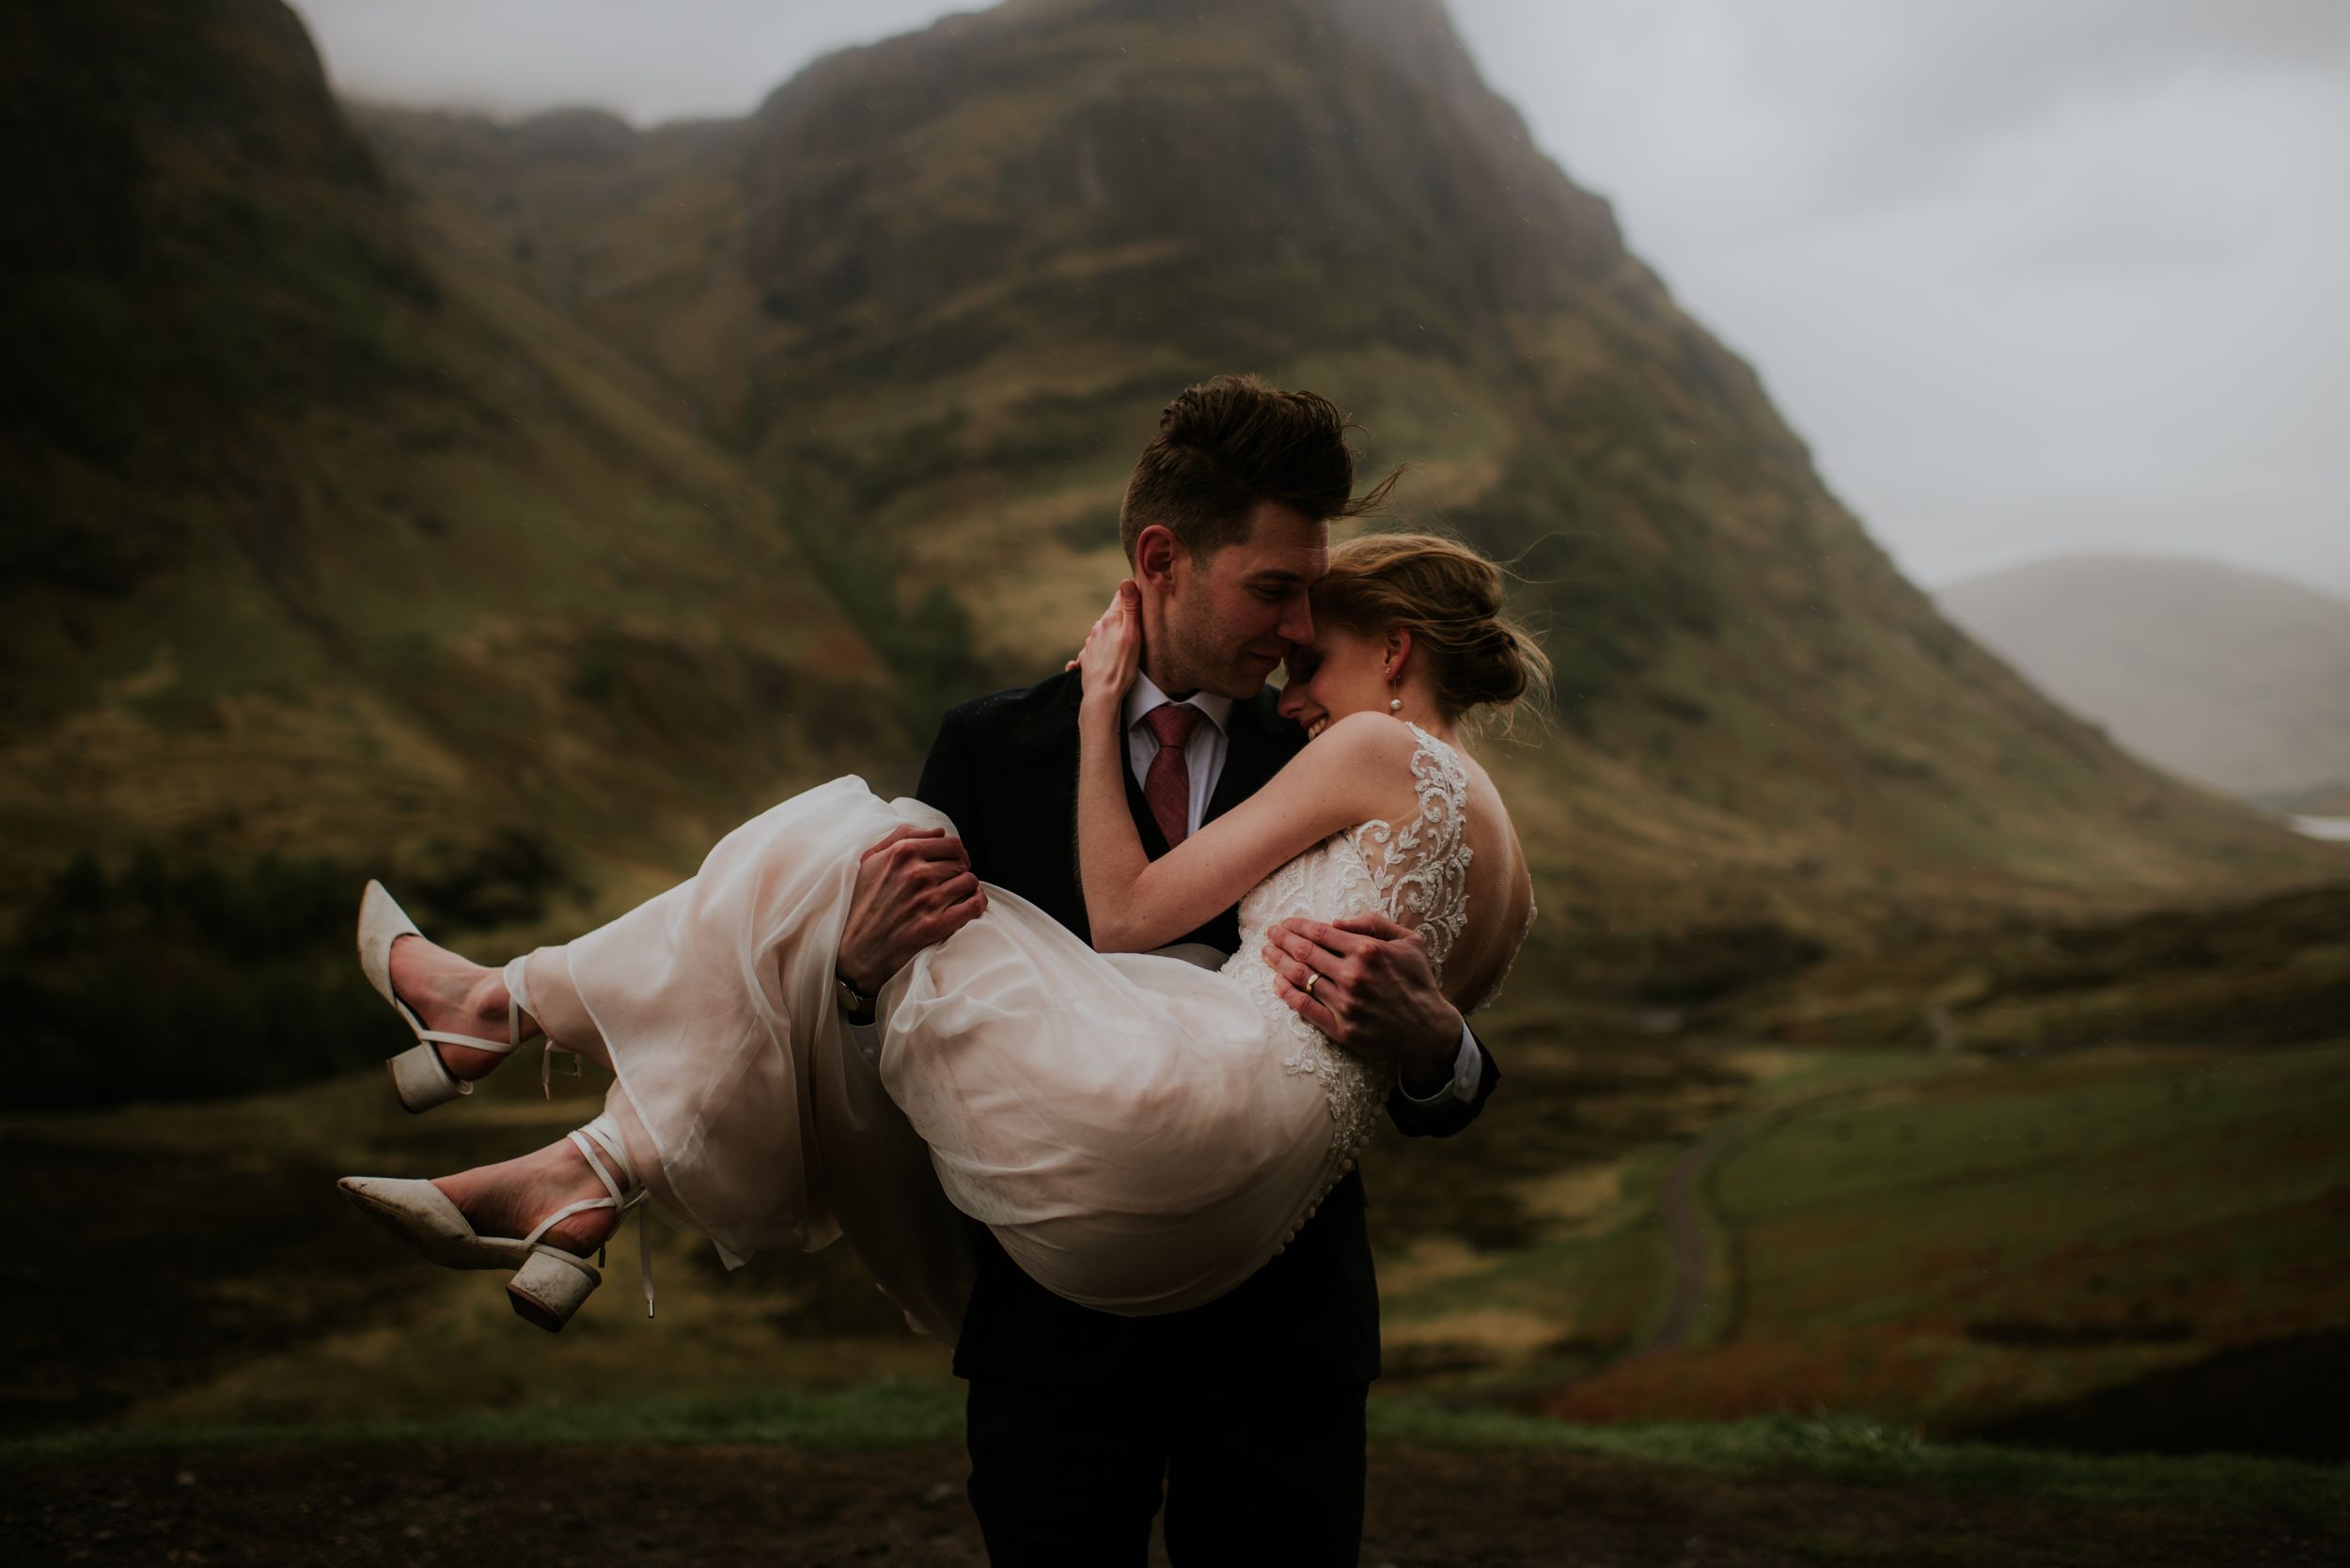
pixel 2031 276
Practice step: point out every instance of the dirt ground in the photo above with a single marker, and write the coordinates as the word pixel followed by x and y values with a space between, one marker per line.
pixel 458 1506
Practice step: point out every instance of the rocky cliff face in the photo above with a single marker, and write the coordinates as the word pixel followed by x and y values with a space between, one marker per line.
pixel 194 240
pixel 1169 144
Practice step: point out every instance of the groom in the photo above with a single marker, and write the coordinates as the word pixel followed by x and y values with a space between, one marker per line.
pixel 1248 1411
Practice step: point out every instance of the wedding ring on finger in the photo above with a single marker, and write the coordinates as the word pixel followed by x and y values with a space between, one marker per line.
pixel 1313 978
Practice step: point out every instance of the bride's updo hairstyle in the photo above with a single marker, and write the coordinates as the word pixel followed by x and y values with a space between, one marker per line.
pixel 1477 657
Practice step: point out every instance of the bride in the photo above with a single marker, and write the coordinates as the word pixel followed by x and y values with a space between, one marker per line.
pixel 1139 1131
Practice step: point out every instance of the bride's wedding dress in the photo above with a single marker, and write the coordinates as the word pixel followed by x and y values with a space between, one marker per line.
pixel 1141 1134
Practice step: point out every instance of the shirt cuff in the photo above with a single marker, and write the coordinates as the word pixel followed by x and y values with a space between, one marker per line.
pixel 868 1043
pixel 1468 1069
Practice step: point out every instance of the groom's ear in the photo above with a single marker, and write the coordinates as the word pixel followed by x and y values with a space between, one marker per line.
pixel 1154 556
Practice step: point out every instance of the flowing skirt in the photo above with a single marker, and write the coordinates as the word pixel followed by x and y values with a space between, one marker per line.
pixel 1124 1125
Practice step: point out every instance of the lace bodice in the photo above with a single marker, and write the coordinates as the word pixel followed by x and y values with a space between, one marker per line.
pixel 1413 870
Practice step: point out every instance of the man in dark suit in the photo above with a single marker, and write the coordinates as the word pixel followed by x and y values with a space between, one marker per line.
pixel 1249 1411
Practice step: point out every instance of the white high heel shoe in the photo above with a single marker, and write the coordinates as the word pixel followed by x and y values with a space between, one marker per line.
pixel 420 1076
pixel 549 1283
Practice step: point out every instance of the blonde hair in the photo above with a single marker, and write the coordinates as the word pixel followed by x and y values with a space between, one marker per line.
pixel 1476 654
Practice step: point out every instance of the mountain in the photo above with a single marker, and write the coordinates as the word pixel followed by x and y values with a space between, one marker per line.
pixel 938 288
pixel 524 504
pixel 327 556
pixel 2231 678
pixel 322 544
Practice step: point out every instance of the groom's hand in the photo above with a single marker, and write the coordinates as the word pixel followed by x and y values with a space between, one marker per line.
pixel 912 889
pixel 1376 996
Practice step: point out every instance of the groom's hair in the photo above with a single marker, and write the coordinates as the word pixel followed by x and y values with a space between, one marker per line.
pixel 1228 443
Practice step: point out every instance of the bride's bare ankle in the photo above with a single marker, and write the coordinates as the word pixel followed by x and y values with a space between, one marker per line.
pixel 489 1003
pixel 551 1005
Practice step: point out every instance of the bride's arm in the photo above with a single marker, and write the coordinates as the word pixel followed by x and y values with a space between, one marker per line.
pixel 1135 904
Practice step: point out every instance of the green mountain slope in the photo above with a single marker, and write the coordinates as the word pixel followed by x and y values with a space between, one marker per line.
pixel 321 544
pixel 940 286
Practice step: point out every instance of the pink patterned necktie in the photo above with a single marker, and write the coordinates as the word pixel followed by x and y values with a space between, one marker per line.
pixel 1166 785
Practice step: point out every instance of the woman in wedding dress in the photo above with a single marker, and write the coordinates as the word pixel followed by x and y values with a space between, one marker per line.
pixel 1141 1133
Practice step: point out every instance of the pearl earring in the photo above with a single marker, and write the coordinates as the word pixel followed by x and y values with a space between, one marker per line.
pixel 1395 698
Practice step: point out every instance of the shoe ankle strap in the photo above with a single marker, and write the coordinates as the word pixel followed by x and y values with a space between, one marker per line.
pixel 626 1195
pixel 516 976
pixel 546 1066
pixel 627 1192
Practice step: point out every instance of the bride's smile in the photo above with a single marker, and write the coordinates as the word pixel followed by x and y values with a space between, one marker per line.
pixel 1342 671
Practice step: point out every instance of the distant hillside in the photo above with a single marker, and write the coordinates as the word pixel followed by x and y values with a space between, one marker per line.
pixel 2326 800
pixel 940 286
pixel 2231 678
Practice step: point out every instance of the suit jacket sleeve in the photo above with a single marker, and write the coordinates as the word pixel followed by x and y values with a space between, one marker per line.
pixel 949 773
pixel 1449 1115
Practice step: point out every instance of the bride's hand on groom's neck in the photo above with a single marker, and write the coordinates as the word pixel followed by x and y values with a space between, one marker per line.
pixel 1112 653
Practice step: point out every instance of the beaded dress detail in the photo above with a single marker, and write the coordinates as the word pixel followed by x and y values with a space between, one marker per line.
pixel 1413 872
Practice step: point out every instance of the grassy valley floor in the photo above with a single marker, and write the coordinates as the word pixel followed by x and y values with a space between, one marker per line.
pixel 1673 1300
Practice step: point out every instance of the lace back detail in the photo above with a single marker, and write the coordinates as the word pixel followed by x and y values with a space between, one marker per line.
pixel 1418 867
pixel 1414 871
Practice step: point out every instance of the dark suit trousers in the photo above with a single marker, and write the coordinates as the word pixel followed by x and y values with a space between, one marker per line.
pixel 1071 1475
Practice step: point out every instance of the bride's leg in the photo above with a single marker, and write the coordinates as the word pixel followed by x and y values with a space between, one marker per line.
pixel 540 982
pixel 450 991
pixel 643 1155
pixel 510 1197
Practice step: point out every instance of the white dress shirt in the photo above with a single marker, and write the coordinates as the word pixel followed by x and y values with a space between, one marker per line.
pixel 1203 756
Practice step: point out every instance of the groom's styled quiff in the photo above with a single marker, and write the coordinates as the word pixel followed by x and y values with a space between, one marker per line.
pixel 1226 444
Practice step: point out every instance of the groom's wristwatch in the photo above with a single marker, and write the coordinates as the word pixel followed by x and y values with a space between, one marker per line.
pixel 854 1005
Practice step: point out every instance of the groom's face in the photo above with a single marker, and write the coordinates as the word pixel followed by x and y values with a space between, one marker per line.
pixel 1230 618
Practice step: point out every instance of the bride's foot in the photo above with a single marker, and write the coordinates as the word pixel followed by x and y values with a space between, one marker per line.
pixel 541 1216
pixel 510 1198
pixel 455 995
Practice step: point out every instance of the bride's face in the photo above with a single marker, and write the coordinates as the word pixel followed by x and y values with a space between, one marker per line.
pixel 1337 673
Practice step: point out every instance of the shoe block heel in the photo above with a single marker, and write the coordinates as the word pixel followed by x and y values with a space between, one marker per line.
pixel 420 1080
pixel 547 1291
pixel 419 1077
